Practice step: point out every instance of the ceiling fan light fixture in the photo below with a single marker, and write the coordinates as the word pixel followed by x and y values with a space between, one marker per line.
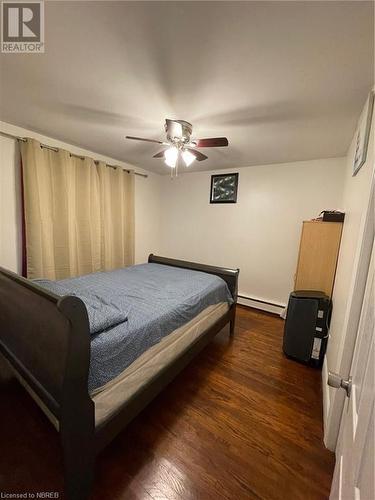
pixel 188 158
pixel 171 155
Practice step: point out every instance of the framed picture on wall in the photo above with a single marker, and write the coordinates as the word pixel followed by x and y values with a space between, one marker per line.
pixel 224 188
pixel 363 134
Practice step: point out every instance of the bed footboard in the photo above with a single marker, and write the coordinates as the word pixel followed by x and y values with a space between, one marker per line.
pixel 46 340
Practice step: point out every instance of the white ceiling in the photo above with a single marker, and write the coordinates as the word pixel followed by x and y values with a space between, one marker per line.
pixel 284 81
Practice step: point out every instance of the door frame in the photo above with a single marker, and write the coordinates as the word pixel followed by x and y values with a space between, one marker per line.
pixel 356 423
pixel 351 323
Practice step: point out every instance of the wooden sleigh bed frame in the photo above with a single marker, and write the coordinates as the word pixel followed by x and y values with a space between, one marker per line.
pixel 46 340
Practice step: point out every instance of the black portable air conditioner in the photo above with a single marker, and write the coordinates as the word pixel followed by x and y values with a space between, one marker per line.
pixel 306 326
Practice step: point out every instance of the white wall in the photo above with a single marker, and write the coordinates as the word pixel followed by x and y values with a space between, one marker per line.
pixel 355 201
pixel 260 233
pixel 147 199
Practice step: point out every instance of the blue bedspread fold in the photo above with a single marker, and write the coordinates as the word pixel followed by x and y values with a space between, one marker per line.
pixel 102 314
pixel 132 309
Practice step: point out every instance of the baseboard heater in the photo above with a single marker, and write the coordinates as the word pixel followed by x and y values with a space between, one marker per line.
pixel 264 305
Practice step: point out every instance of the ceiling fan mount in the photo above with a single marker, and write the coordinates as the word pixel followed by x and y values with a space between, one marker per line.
pixel 180 144
pixel 178 131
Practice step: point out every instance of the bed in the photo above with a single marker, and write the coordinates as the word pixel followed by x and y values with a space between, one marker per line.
pixel 93 354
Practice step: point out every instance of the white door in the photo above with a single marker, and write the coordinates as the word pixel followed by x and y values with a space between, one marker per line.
pixel 354 476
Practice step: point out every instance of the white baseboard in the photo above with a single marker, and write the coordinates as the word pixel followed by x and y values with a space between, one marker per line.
pixel 262 304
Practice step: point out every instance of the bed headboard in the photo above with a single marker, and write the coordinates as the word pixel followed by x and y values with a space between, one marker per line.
pixel 230 276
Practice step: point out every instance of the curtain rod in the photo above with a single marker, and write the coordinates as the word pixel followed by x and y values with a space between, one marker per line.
pixel 45 146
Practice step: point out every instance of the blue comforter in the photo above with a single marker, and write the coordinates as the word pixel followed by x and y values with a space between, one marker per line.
pixel 132 309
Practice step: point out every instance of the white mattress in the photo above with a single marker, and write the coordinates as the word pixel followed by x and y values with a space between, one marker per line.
pixel 111 396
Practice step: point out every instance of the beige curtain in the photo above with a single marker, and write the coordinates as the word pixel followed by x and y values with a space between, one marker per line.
pixel 117 216
pixel 79 218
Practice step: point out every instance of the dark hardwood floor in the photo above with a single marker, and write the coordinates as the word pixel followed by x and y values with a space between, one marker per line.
pixel 241 422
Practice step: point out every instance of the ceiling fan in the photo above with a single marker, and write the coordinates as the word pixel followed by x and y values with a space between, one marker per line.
pixel 179 143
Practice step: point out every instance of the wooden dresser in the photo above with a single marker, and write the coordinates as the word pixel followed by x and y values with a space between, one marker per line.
pixel 318 254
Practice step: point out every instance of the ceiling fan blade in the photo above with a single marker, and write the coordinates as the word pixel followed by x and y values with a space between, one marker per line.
pixel 198 155
pixel 213 142
pixel 159 155
pixel 143 139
